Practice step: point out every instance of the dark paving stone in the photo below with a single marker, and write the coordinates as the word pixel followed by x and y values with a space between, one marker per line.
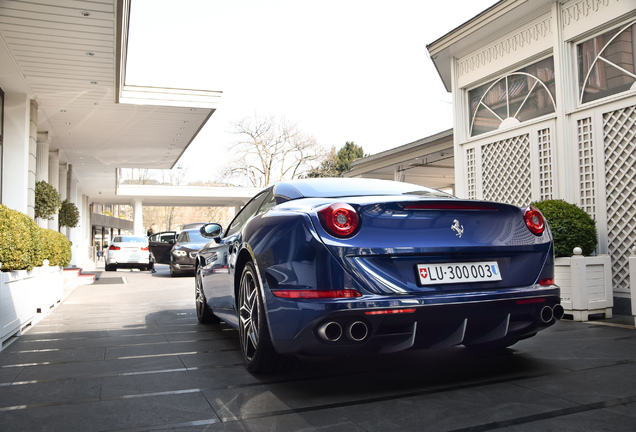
pixel 134 358
pixel 597 420
pixel 209 379
pixel 101 368
pixel 48 392
pixel 142 412
pixel 453 410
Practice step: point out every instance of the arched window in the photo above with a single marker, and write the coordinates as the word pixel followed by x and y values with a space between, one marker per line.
pixel 512 99
pixel 606 63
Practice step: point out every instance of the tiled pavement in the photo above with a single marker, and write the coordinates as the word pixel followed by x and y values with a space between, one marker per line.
pixel 127 354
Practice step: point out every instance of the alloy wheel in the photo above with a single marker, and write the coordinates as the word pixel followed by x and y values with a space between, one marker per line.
pixel 248 316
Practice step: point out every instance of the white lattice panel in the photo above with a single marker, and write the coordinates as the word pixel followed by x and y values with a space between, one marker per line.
pixel 471 180
pixel 546 186
pixel 586 166
pixel 506 171
pixel 619 134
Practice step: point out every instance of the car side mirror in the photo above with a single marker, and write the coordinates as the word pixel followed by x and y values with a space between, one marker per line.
pixel 211 230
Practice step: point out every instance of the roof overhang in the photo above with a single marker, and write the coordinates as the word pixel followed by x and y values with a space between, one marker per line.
pixel 428 162
pixel 479 31
pixel 71 59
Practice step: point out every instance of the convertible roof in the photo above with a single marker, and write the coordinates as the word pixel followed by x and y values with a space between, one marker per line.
pixel 347 187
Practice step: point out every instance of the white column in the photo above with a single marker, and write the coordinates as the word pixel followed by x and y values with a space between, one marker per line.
pixel 42 158
pixel 54 180
pixel 62 179
pixel 15 166
pixel 42 166
pixel 138 218
pixel 74 235
pixel 399 174
pixel 33 144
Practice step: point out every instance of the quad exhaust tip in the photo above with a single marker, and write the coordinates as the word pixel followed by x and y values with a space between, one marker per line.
pixel 332 331
pixel 549 313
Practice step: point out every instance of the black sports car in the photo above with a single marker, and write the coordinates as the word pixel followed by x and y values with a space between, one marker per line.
pixel 178 251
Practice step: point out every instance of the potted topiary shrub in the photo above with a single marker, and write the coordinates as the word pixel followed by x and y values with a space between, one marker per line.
pixel 68 215
pixel 47 200
pixel 585 279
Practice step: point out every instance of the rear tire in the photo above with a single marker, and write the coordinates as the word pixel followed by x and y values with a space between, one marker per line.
pixel 204 313
pixel 256 345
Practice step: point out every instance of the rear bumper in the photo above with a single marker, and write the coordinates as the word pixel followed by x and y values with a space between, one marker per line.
pixel 369 325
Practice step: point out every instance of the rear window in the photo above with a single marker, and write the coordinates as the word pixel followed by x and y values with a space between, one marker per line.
pixel 349 187
pixel 131 239
pixel 192 236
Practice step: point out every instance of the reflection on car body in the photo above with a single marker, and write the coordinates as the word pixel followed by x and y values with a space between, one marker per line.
pixel 345 266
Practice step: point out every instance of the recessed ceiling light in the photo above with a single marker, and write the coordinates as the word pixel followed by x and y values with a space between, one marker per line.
pixel 90 54
pixel 93 82
pixel 62 110
pixel 85 14
pixel 68 123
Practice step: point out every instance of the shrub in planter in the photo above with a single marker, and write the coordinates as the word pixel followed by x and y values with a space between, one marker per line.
pixel 571 227
pixel 56 248
pixel 24 245
pixel 17 247
pixel 47 200
pixel 68 215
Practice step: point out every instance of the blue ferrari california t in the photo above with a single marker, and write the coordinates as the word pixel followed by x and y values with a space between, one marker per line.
pixel 360 266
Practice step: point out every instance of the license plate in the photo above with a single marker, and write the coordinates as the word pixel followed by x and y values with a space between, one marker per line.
pixel 448 273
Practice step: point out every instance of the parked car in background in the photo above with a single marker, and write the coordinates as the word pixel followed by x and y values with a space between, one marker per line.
pixel 177 250
pixel 128 251
pixel 161 245
pixel 361 266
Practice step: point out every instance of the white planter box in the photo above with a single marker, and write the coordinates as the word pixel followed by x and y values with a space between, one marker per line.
pixel 586 285
pixel 18 303
pixel 49 286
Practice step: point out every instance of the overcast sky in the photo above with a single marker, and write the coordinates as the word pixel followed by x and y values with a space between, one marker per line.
pixel 342 70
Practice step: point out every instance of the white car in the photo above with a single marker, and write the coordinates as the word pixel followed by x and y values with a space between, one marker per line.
pixel 128 251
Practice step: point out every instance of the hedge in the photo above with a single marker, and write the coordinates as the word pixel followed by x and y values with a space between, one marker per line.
pixel 571 227
pixel 24 245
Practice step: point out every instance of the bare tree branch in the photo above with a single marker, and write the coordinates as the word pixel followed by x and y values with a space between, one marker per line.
pixel 270 150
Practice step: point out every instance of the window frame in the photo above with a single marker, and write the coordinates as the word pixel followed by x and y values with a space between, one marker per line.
pixel 581 85
pixel 490 83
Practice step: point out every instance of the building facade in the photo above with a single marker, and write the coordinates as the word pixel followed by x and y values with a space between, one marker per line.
pixel 544 97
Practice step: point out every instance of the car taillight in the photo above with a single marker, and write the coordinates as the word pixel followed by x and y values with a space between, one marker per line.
pixel 390 311
pixel 113 247
pixel 144 248
pixel 340 220
pixel 534 220
pixel 316 294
